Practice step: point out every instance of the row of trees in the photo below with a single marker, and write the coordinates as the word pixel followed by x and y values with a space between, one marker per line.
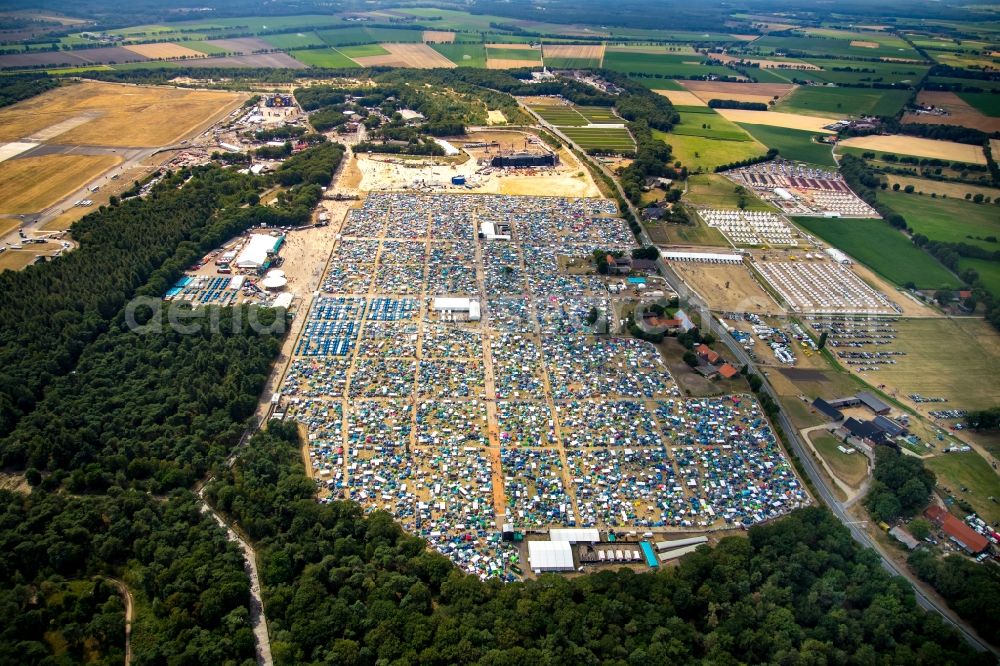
pixel 354 590
pixel 901 487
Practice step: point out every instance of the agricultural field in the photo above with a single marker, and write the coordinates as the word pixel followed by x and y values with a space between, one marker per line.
pixel 681 98
pixel 205 47
pixel 573 55
pixel 917 147
pixel 792 144
pixel 463 55
pixel 883 249
pixel 31 184
pixel 969 470
pixel 982 85
pixel 419 56
pixel 506 53
pixel 600 138
pixel 700 153
pixel 661 65
pixel 960 112
pixel 117 115
pixel 763 93
pixel 853 71
pixel 709 124
pixel 363 51
pixel 328 58
pixel 941 188
pixel 345 36
pixel 560 115
pixel 697 233
pixel 953 220
pixel 872 45
pixel 844 101
pixel 438 36
pixel 986 103
pixel 221 26
pixel 242 45
pixel 793 121
pixel 395 35
pixel 293 40
pixel 164 50
pixel 711 190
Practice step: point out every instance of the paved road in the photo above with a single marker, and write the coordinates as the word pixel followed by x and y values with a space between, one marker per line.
pixel 695 302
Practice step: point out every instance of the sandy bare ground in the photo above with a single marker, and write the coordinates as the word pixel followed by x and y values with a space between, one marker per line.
pixel 439 36
pixel 908 145
pixel 960 112
pixel 765 64
pixel 418 56
pixel 594 51
pixel 494 63
pixel 496 117
pixel 777 119
pixel 995 148
pixel 864 45
pixel 165 50
pixel 682 97
pixel 742 294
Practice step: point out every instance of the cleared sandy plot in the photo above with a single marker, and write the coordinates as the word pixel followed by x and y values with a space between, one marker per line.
pixel 864 44
pixel 730 288
pixel 31 184
pixel 439 36
pixel 417 56
pixel 908 145
pixel 682 97
pixel 495 63
pixel 495 118
pixel 121 115
pixel 960 112
pixel 777 119
pixel 590 51
pixel 165 50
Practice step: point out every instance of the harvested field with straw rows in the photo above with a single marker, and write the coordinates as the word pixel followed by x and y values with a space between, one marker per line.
pixel 776 119
pixel 418 56
pixel 910 145
pixel 165 50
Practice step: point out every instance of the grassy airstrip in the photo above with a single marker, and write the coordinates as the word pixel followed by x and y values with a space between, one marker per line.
pixel 883 249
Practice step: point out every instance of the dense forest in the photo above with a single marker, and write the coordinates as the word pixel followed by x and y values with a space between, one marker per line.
pixel 18 87
pixel 346 589
pixel 970 589
pixel 901 487
pixel 188 582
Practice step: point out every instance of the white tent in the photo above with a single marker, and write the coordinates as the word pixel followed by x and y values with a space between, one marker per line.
pixel 575 535
pixel 550 556
pixel 254 254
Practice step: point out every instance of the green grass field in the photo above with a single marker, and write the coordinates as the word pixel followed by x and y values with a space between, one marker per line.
pixel 888 47
pixel 709 124
pixel 843 101
pixel 988 103
pixel 514 54
pixel 573 63
pixel 463 55
pixel 661 65
pixel 362 51
pixel 989 272
pixel 328 58
pixel 590 138
pixel 883 249
pixel 717 191
pixel 395 35
pixel 849 468
pixel 865 72
pixel 951 220
pixel 345 36
pixel 293 40
pixel 796 145
pixel 560 116
pixel 969 470
pixel 204 47
pixel 703 154
pixel 975 83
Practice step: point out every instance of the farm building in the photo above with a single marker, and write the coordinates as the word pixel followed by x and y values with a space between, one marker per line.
pixel 970 540
pixel 825 408
pixel 492 231
pixel 524 160
pixel 838 256
pixel 904 537
pixel 550 556
pixel 873 403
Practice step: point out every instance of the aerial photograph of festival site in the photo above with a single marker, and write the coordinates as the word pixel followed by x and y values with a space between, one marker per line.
pixel 432 332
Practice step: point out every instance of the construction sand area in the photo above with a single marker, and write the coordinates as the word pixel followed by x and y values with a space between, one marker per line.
pixel 682 97
pixel 909 145
pixel 960 112
pixel 164 50
pixel 31 184
pixel 417 56
pixel 778 119
pixel 742 294
pixel 117 114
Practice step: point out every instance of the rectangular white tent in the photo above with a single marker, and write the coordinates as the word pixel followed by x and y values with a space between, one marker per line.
pixel 575 535
pixel 550 556
pixel 254 254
